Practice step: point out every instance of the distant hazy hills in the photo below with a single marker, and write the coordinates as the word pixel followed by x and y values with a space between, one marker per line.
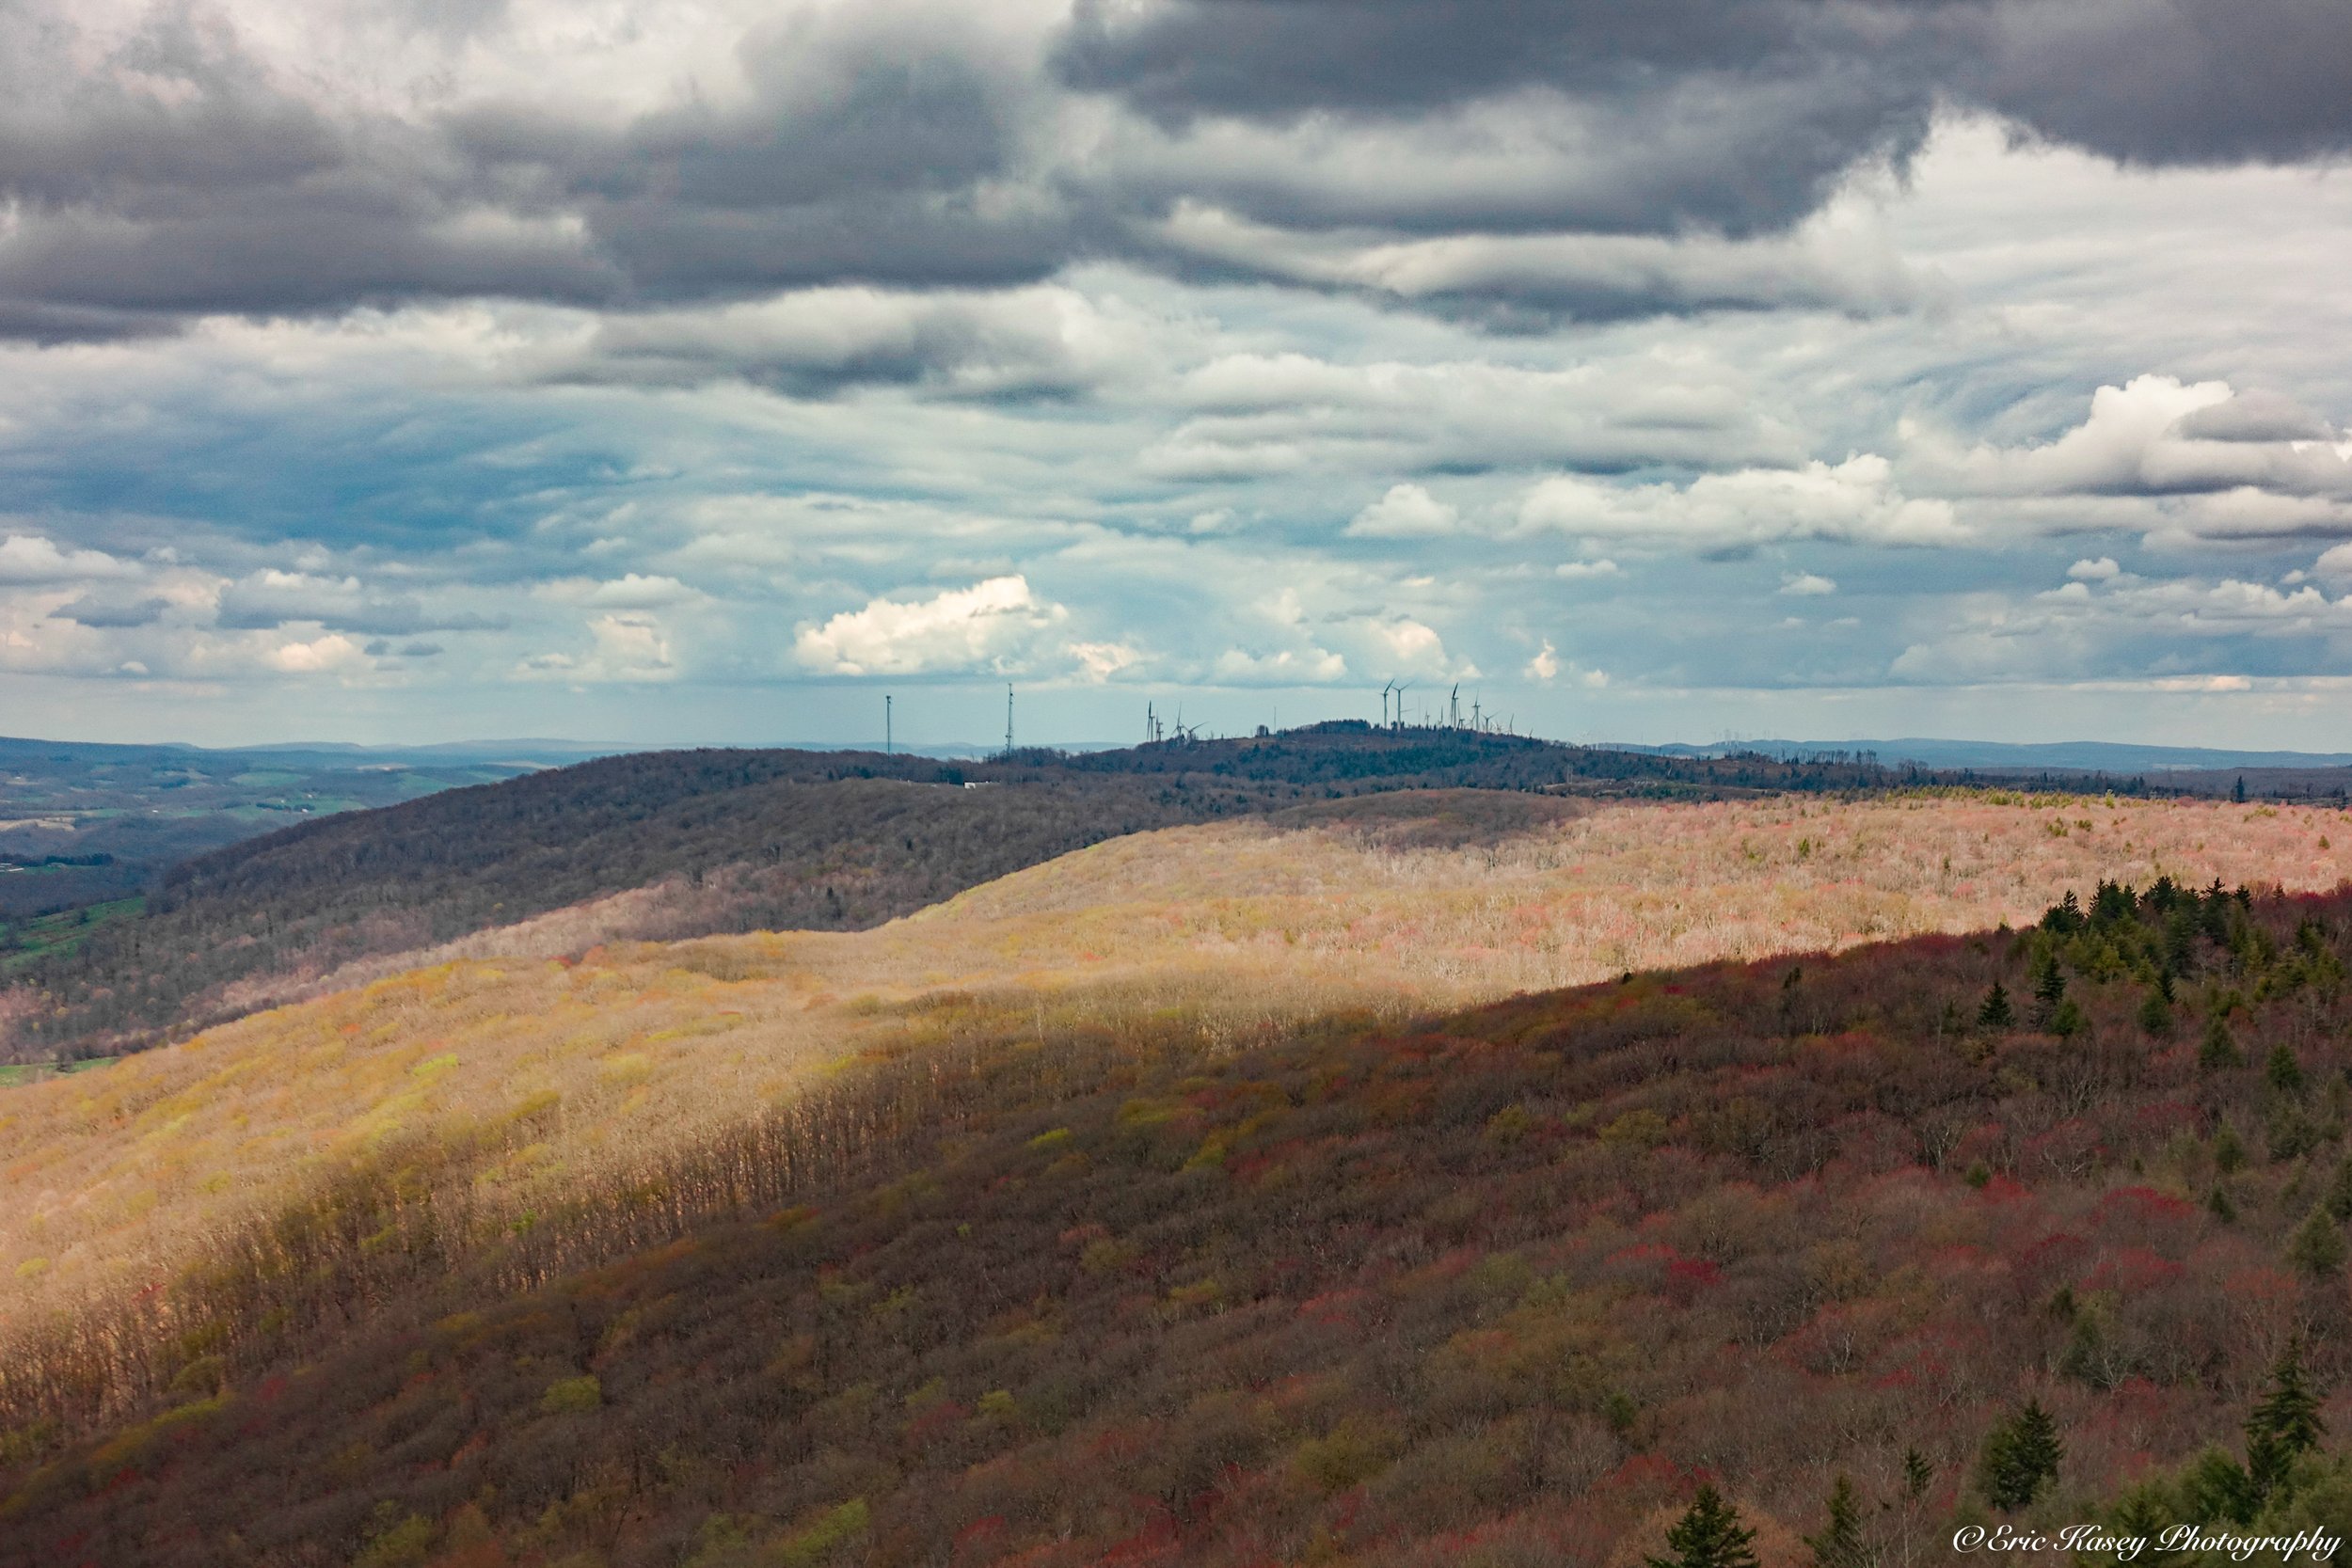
pixel 81 824
pixel 2070 755
pixel 1928 752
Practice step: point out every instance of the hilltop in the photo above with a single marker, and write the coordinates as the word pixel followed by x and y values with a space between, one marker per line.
pixel 1500 1285
pixel 728 841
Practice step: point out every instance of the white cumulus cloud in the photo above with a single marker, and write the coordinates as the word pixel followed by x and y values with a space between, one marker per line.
pixel 626 649
pixel 988 626
pixel 1407 511
pixel 2153 435
pixel 26 558
pixel 1855 501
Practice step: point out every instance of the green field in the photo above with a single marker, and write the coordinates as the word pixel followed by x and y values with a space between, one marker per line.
pixel 23 941
pixel 12 1074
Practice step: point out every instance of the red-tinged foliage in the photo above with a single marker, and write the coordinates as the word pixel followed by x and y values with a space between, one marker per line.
pixel 1499 1289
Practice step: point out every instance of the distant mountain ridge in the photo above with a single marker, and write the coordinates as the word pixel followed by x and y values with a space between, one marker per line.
pixel 2111 757
pixel 82 823
pixel 2106 756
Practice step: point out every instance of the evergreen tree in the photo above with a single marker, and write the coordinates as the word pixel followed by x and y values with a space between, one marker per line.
pixel 2049 983
pixel 2317 1245
pixel 2283 1074
pixel 1996 1013
pixel 2217 1204
pixel 2237 790
pixel 1709 1536
pixel 2067 1020
pixel 2180 939
pixel 2021 1456
pixel 2229 1150
pixel 1917 1475
pixel 2219 1052
pixel 2292 1132
pixel 2285 1425
pixel 2339 1200
pixel 1840 1544
pixel 2065 917
pixel 2156 1015
pixel 2039 1449
pixel 2213 913
pixel 2217 1489
pixel 2141 1516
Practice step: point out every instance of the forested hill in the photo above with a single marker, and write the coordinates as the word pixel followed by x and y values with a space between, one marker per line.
pixel 1353 755
pixel 2038 1228
pixel 743 840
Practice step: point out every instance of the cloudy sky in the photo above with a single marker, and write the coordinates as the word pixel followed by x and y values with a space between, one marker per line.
pixel 669 369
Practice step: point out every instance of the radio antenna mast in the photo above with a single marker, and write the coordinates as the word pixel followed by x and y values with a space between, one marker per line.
pixel 1008 718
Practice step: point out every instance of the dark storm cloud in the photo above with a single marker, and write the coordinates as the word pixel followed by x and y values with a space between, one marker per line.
pixel 1771 99
pixel 1007 346
pixel 351 243
pixel 1178 61
pixel 2164 81
pixel 1688 114
pixel 2256 415
pixel 180 174
pixel 857 158
pixel 179 178
pixel 270 600
pixel 35 321
pixel 180 107
pixel 94 609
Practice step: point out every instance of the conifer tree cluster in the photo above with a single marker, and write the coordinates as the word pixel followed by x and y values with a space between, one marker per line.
pixel 1709 1536
pixel 1840 1545
pixel 2284 1426
pixel 2021 1456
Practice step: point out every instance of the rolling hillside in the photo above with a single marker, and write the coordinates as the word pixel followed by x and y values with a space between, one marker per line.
pixel 517 1078
pixel 1501 1286
pixel 732 841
